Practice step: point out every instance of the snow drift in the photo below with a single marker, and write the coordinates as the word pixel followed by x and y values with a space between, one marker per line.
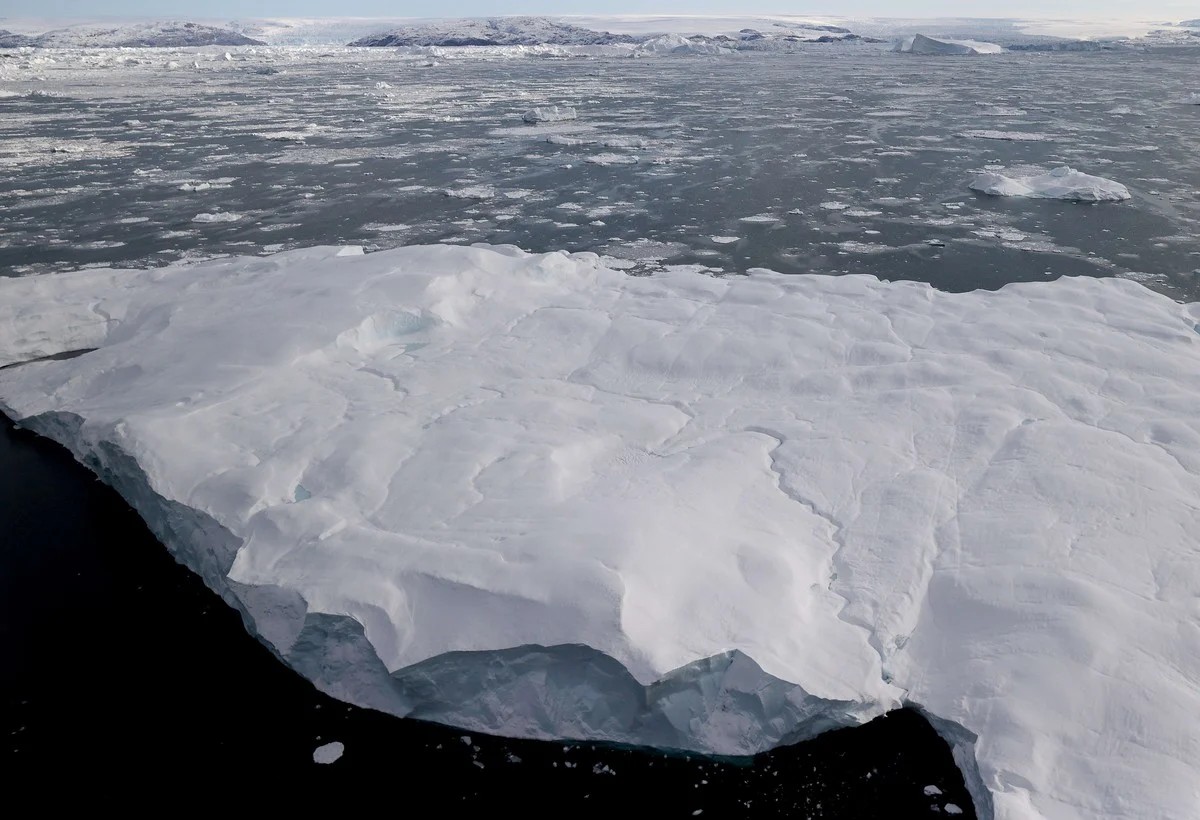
pixel 533 496
pixel 1061 183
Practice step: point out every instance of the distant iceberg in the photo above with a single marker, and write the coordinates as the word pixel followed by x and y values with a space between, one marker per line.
pixel 920 44
pixel 1062 183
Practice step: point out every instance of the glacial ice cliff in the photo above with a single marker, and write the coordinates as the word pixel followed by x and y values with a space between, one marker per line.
pixel 529 495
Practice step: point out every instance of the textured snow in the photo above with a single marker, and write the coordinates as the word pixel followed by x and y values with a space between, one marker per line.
pixel 776 504
pixel 1061 183
pixel 920 44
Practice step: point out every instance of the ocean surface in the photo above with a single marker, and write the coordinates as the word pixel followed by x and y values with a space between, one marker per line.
pixel 835 161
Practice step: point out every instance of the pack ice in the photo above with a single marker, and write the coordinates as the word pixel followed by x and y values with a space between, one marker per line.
pixel 1063 182
pixel 533 496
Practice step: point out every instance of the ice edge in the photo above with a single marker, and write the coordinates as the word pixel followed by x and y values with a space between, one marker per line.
pixel 566 692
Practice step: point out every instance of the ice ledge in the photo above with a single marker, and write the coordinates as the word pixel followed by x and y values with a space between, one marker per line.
pixel 725 704
pixel 989 498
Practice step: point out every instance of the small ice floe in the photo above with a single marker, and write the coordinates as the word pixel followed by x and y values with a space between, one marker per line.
pixel 1008 136
pixel 1062 183
pixel 760 219
pixel 612 159
pixel 550 113
pixel 724 240
pixel 224 216
pixel 284 136
pixel 837 98
pixel 559 139
pixel 1194 99
pixel 932 791
pixel 834 206
pixel 471 192
pixel 329 753
pixel 381 85
pixel 952 808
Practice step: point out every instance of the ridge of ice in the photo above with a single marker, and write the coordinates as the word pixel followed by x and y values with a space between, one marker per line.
pixel 530 495
pixel 1061 183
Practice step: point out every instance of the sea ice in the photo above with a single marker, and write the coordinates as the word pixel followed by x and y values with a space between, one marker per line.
pixel 530 495
pixel 328 753
pixel 1061 183
pixel 225 216
pixel 552 113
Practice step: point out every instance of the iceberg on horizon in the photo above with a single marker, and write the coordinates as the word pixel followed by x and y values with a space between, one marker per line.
pixel 920 44
pixel 529 495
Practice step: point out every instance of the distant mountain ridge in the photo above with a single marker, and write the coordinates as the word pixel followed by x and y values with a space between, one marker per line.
pixel 538 31
pixel 160 34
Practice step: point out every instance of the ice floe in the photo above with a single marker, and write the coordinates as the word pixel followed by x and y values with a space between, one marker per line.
pixel 1061 183
pixel 530 495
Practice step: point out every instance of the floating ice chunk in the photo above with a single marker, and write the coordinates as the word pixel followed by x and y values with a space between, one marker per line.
pixel 224 216
pixel 560 139
pixel 839 99
pixel 552 499
pixel 920 44
pixel 471 192
pixel 612 159
pixel 1061 183
pixel 382 85
pixel 724 240
pixel 1009 136
pixel 952 808
pixel 328 753
pixel 551 113
pixel 284 136
pixel 834 206
pixel 932 791
pixel 760 219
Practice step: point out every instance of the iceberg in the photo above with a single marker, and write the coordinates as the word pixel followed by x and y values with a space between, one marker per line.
pixel 1061 183
pixel 920 44
pixel 550 113
pixel 534 496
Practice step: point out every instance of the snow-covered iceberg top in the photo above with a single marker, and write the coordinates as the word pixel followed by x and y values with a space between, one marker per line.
pixel 1061 183
pixel 920 44
pixel 531 495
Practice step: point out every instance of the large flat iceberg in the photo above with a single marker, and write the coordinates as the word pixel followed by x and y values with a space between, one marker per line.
pixel 530 495
pixel 1061 183
pixel 931 46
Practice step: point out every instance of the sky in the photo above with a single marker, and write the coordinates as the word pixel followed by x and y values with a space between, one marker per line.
pixel 208 9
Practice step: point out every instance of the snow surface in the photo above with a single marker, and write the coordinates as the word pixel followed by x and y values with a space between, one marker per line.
pixel 920 44
pixel 1061 183
pixel 534 496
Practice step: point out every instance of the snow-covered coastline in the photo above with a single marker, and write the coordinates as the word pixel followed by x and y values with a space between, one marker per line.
pixel 981 504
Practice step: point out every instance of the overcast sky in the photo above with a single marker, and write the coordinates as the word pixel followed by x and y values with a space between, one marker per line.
pixel 1165 9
